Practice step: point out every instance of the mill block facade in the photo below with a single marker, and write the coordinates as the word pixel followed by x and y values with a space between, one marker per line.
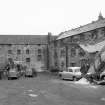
pixel 30 50
pixel 70 48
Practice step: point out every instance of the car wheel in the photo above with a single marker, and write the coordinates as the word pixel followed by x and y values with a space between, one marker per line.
pixel 9 78
pixel 74 79
pixel 60 77
pixel 103 78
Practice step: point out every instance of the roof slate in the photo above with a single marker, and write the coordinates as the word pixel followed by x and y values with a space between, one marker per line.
pixel 93 48
pixel 81 29
pixel 23 39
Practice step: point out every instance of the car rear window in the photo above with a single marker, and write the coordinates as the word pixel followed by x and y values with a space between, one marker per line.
pixel 77 70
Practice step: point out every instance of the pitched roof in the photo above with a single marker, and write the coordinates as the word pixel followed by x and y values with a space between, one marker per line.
pixel 23 39
pixel 81 29
pixel 93 48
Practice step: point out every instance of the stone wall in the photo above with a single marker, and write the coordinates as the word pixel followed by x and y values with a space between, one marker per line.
pixel 80 55
pixel 37 59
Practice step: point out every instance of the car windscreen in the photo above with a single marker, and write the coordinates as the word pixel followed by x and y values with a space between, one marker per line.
pixel 70 70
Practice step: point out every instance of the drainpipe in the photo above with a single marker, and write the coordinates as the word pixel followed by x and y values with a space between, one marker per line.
pixel 66 56
pixel 48 50
pixel 47 57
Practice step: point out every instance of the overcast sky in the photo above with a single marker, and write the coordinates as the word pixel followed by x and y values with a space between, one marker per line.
pixel 38 17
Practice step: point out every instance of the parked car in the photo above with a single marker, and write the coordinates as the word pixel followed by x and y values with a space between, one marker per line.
pixel 13 73
pixel 72 73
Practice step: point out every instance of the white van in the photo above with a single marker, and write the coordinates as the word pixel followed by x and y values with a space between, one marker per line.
pixel 72 73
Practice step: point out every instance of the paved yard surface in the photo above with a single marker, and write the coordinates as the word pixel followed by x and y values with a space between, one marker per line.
pixel 46 89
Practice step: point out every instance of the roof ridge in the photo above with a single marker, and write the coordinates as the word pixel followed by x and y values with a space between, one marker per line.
pixel 85 28
pixel 93 22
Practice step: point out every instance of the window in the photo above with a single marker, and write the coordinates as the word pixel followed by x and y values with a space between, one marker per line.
pixel 11 62
pixel 102 32
pixel 56 64
pixel 18 51
pixel 82 37
pixel 62 53
pixel 39 57
pixel 55 43
pixel 72 64
pixel 70 70
pixel 27 51
pixel 55 55
pixel 77 70
pixel 39 51
pixel 62 64
pixel 28 60
pixel 10 59
pixel 73 52
pixel 76 38
pixel 9 51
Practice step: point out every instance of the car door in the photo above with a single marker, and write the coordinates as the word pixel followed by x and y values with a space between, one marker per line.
pixel 64 74
pixel 69 74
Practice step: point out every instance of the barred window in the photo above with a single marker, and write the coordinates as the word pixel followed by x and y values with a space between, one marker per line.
pixel 28 60
pixel 18 51
pixel 9 51
pixel 39 51
pixel 39 57
pixel 55 55
pixel 27 51
pixel 62 53
pixel 82 37
pixel 62 64
pixel 73 64
pixel 73 52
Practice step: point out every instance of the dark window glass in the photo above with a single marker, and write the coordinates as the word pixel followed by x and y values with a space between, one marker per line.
pixel 62 64
pixel 39 51
pixel 73 52
pixel 55 55
pixel 18 51
pixel 55 43
pixel 82 37
pixel 28 60
pixel 39 57
pixel 27 51
pixel 72 64
pixel 10 59
pixel 56 64
pixel 62 53
pixel 9 51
